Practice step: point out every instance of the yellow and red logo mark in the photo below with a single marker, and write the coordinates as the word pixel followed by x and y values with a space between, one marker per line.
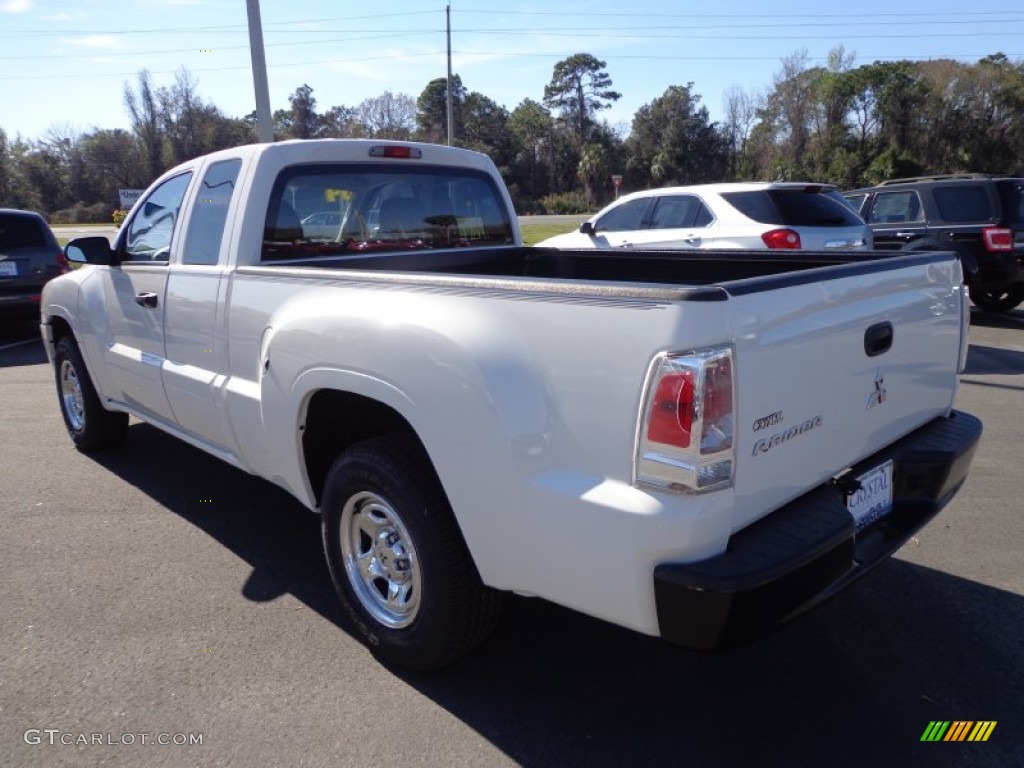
pixel 958 730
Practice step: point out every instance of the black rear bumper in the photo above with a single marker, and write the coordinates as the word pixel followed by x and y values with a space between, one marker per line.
pixel 808 550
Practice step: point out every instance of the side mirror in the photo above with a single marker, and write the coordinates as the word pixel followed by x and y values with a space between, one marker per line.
pixel 89 250
pixel 586 228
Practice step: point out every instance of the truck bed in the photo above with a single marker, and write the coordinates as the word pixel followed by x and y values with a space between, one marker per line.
pixel 740 271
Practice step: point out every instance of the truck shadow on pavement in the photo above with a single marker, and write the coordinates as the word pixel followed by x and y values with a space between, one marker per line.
pixel 984 361
pixel 855 682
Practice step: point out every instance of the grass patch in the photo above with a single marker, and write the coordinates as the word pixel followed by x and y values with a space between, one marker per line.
pixel 534 233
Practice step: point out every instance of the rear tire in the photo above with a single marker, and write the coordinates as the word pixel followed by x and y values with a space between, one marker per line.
pixel 91 426
pixel 1000 299
pixel 398 560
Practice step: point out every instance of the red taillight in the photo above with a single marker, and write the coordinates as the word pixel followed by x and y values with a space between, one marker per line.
pixel 782 238
pixel 998 239
pixel 396 150
pixel 62 263
pixel 685 439
pixel 671 418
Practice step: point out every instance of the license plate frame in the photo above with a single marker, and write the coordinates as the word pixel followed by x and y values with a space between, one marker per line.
pixel 873 500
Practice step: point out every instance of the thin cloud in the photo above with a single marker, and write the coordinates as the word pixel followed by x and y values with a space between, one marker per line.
pixel 16 6
pixel 96 41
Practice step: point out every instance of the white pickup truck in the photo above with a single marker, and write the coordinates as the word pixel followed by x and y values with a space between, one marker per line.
pixel 696 446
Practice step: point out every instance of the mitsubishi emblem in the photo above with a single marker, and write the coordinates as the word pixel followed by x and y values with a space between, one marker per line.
pixel 878 396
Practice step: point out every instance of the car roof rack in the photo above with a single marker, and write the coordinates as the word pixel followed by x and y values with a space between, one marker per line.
pixel 942 177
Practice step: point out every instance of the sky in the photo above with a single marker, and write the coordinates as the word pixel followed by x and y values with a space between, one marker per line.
pixel 64 63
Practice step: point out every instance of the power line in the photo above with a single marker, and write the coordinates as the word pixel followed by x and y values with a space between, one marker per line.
pixel 510 54
pixel 777 21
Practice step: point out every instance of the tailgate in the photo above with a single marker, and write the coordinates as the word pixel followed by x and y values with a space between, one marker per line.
pixel 834 364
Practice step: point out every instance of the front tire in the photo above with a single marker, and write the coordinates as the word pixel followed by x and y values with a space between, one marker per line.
pixel 91 426
pixel 398 560
pixel 1000 299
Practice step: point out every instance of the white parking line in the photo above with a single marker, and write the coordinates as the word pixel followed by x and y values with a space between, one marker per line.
pixel 17 344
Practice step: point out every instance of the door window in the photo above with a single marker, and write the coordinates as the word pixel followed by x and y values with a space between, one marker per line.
pixel 679 212
pixel 152 225
pixel 206 227
pixel 895 208
pixel 623 218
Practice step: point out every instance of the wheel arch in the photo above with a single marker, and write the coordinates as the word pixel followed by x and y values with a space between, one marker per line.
pixel 59 327
pixel 336 419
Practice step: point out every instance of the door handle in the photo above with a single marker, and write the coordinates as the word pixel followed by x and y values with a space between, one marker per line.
pixel 904 234
pixel 878 339
pixel 146 299
pixel 692 240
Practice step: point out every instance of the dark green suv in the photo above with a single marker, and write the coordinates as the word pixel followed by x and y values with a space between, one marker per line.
pixel 980 217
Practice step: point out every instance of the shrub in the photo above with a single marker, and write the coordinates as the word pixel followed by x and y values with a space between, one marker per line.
pixel 80 213
pixel 566 203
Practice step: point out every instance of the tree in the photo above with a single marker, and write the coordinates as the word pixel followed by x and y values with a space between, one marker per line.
pixel 791 106
pixel 485 128
pixel 114 161
pixel 388 116
pixel 432 110
pixel 145 115
pixel 579 87
pixel 674 141
pixel 303 121
pixel 740 114
pixel 342 122
pixel 532 133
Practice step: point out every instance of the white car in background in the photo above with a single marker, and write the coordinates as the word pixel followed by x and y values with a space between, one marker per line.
pixel 746 215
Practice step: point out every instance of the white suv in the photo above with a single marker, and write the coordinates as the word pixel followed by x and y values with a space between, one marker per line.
pixel 745 215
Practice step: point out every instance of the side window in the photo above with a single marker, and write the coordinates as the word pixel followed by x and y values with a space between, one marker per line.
pixel 210 212
pixel 964 203
pixel 704 216
pixel 679 212
pixel 623 217
pixel 895 208
pixel 855 201
pixel 151 228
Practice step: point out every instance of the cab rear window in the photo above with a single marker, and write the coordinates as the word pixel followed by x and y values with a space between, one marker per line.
pixel 809 207
pixel 353 208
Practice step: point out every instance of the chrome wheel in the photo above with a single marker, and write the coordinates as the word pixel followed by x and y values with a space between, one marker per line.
pixel 380 560
pixel 71 396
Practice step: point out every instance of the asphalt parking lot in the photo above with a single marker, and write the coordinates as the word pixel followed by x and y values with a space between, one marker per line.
pixel 158 591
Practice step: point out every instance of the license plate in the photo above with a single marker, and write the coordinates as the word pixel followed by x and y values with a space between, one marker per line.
pixel 874 498
pixel 8 269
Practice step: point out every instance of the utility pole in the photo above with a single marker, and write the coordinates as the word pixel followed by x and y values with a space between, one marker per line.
pixel 264 124
pixel 448 89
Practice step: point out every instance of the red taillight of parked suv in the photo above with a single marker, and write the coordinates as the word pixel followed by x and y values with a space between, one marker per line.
pixel 997 239
pixel 782 239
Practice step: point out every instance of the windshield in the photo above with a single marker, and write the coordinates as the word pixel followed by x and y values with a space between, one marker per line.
pixel 354 208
